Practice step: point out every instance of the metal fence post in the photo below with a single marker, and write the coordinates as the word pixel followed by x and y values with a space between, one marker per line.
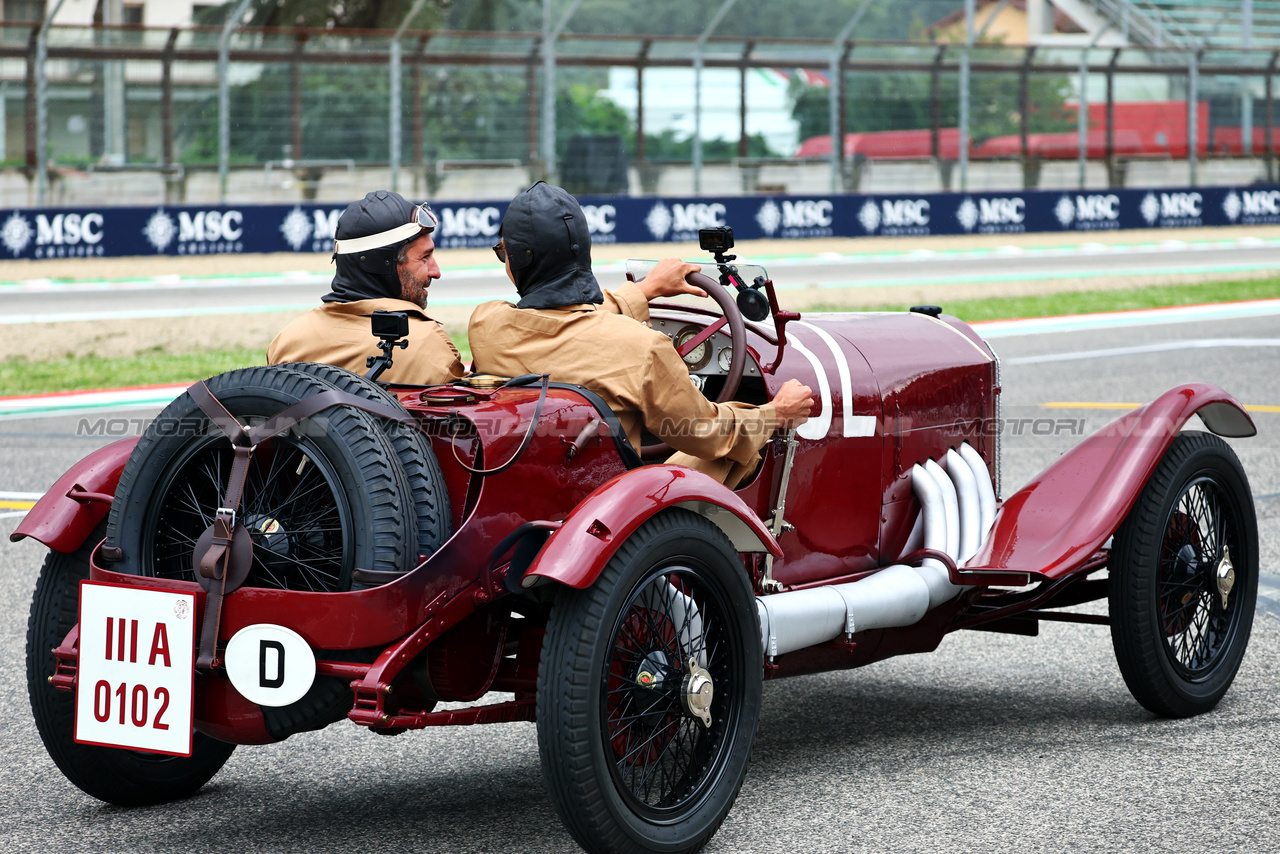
pixel 396 69
pixel 549 36
pixel 1193 115
pixel 964 95
pixel 42 106
pixel 224 98
pixel 697 92
pixel 838 56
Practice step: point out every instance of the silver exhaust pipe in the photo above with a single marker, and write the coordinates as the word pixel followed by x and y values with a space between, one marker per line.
pixel 957 508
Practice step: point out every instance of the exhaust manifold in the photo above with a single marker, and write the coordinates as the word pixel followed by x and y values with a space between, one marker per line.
pixel 958 506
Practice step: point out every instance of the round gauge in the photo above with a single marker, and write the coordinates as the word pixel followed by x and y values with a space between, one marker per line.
pixel 725 359
pixel 699 356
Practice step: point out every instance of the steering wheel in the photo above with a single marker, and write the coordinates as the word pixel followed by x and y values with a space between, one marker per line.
pixel 737 337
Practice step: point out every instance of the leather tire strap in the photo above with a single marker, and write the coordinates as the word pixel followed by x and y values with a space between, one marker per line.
pixel 215 564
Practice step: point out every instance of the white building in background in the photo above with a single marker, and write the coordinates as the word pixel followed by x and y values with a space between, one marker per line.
pixel 150 13
pixel 669 103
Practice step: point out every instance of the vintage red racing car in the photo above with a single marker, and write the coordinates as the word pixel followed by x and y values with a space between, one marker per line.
pixel 289 546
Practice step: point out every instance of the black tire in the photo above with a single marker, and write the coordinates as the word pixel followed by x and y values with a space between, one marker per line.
pixel 358 511
pixel 426 481
pixel 626 777
pixel 334 487
pixel 1177 647
pixel 121 777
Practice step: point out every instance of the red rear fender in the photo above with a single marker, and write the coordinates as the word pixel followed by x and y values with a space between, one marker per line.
pixel 1054 523
pixel 62 523
pixel 577 552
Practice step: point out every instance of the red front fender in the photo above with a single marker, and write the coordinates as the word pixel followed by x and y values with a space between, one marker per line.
pixel 62 523
pixel 577 552
pixel 1053 524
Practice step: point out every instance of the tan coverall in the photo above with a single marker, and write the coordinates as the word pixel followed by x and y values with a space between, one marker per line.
pixel 633 367
pixel 338 333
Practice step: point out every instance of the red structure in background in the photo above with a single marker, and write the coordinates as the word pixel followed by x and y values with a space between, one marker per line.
pixel 1142 129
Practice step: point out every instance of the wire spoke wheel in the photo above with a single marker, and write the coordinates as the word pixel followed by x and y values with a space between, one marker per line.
pixel 649 691
pixel 1184 579
pixel 293 506
pixel 664 755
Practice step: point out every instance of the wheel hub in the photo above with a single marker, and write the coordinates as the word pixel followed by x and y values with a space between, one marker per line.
pixel 1225 576
pixel 269 536
pixel 697 692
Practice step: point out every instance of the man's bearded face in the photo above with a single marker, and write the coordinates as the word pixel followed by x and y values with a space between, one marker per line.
pixel 417 270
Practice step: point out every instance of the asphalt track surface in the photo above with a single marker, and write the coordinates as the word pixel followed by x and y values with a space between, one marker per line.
pixel 991 743
pixel 51 301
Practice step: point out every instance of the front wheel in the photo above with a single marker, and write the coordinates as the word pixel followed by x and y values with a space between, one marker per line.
pixel 649 691
pixel 121 777
pixel 1184 579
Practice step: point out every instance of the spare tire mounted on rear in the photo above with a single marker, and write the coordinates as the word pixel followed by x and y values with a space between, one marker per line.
pixel 321 500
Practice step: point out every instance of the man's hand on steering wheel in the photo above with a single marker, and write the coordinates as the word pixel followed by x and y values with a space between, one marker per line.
pixel 667 279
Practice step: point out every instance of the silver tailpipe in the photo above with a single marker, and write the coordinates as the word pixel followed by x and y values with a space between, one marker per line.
pixel 957 507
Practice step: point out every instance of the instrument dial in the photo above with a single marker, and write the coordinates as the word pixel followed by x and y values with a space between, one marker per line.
pixel 725 359
pixel 699 356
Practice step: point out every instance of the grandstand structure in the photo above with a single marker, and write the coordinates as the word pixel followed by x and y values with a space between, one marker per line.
pixel 137 103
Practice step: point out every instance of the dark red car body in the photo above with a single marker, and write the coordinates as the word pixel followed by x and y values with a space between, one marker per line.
pixel 893 389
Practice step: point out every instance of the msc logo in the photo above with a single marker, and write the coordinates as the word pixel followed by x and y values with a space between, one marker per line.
pixel 209 226
pixel 1255 205
pixel 797 218
pixel 1261 203
pixel 198 232
pixel 600 218
pixel 901 216
pixel 692 217
pixel 469 222
pixel 662 220
pixel 990 215
pixel 1001 211
pixel 68 229
pixel 1088 211
pixel 469 226
pixel 1180 205
pixel 1171 206
pixel 806 213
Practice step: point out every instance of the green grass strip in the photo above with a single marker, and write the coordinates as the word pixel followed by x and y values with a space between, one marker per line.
pixel 20 376
pixel 1090 302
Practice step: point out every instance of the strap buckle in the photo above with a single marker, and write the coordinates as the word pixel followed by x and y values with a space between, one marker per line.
pixel 228 515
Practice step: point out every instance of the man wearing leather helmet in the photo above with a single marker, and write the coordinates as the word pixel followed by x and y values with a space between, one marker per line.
pixel 385 257
pixel 563 325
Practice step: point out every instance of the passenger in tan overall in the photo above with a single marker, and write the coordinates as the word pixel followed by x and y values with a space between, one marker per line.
pixel 385 257
pixel 561 327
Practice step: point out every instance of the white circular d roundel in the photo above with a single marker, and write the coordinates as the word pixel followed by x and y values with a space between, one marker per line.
pixel 270 665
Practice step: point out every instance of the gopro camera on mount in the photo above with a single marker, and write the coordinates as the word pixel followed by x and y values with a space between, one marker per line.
pixel 718 240
pixel 389 327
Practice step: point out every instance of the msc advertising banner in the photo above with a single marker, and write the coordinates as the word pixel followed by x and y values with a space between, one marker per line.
pixel 194 230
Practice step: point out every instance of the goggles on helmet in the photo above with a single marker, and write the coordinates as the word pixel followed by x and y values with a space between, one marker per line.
pixel 424 221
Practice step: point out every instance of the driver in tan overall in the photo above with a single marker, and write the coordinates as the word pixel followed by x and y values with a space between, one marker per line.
pixel 385 258
pixel 561 327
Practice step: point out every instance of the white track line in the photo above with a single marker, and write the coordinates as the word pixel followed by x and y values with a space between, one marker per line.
pixel 1121 319
pixel 1165 347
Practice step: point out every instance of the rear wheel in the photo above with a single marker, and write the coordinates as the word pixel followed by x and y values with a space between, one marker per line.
pixel 649 691
pixel 1184 579
pixel 121 777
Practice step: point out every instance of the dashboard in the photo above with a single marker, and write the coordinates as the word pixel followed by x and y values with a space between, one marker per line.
pixel 710 358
